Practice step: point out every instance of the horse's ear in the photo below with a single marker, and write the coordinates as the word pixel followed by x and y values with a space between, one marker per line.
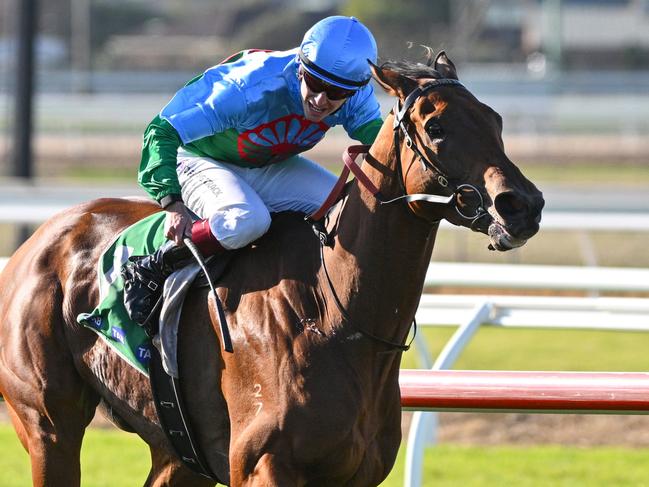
pixel 445 66
pixel 392 82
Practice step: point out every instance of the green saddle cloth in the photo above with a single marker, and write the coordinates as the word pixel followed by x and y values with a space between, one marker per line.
pixel 109 319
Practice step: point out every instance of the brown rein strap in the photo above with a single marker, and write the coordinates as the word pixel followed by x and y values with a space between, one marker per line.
pixel 349 158
pixel 393 346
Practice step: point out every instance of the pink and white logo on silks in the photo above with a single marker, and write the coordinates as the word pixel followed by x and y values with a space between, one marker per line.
pixel 279 139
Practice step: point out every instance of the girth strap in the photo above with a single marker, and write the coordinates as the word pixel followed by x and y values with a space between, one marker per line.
pixel 173 418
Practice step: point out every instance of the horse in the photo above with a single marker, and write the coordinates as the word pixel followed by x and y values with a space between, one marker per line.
pixel 310 396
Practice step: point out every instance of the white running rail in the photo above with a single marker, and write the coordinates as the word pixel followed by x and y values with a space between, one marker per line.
pixel 471 311
pixel 576 278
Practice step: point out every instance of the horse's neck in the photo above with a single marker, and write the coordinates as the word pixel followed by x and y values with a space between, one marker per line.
pixel 380 255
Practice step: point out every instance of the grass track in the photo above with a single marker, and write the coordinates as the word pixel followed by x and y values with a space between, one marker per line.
pixel 536 349
pixel 546 466
pixel 109 458
pixel 116 459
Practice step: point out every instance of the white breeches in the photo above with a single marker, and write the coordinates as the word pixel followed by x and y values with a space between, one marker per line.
pixel 238 200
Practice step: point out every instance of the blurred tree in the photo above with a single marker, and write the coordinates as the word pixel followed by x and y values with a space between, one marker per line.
pixel 406 13
pixel 396 25
pixel 109 17
pixel 277 29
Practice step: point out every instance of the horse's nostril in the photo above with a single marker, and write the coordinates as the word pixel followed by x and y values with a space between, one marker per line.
pixel 509 204
pixel 521 213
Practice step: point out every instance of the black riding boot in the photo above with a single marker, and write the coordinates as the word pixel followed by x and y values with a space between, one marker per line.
pixel 144 277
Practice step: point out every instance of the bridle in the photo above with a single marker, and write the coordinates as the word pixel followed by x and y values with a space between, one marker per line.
pixel 401 117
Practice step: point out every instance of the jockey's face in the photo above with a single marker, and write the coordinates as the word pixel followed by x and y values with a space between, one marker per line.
pixel 316 104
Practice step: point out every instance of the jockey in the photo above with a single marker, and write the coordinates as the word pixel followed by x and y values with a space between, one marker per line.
pixel 226 147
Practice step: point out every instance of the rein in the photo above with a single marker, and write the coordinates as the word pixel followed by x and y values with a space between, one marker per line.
pixel 349 158
pixel 319 227
pixel 394 346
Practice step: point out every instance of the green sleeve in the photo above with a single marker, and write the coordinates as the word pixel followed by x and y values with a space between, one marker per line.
pixel 157 173
pixel 367 132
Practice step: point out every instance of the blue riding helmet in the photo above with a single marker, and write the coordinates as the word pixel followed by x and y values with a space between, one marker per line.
pixel 337 50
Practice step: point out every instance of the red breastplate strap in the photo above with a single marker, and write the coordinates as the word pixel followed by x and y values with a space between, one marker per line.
pixel 349 158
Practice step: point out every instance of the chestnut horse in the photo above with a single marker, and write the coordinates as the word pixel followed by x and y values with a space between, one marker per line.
pixel 310 396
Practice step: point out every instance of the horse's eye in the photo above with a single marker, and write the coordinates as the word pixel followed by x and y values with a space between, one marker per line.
pixel 434 130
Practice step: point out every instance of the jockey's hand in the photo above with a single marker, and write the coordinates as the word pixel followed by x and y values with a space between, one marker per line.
pixel 178 223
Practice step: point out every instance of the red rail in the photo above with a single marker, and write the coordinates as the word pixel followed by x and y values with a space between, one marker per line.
pixel 547 392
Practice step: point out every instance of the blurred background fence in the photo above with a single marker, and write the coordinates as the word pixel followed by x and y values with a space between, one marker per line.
pixel 569 77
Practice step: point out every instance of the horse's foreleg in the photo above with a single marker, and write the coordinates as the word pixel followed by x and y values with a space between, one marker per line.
pixel 270 471
pixel 54 446
pixel 50 405
pixel 168 471
pixel 18 426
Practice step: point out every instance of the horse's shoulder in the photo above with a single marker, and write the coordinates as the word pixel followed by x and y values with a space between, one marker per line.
pixel 286 255
pixel 290 237
pixel 291 224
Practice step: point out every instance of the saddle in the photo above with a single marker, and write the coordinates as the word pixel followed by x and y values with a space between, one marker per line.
pixel 215 267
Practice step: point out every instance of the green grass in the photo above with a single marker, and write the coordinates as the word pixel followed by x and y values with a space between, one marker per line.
pixel 99 173
pixel 535 349
pixel 117 459
pixel 586 173
pixel 113 458
pixel 109 458
pixel 543 466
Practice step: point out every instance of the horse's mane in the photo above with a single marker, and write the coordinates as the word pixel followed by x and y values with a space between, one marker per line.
pixel 415 70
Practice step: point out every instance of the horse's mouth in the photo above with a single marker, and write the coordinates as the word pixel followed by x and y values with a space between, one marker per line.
pixel 501 240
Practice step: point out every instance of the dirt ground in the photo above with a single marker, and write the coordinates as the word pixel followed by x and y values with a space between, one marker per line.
pixel 538 429
pixel 519 429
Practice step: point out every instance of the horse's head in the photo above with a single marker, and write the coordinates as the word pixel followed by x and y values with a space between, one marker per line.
pixel 450 144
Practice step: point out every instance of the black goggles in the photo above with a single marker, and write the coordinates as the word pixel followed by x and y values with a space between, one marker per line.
pixel 319 86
